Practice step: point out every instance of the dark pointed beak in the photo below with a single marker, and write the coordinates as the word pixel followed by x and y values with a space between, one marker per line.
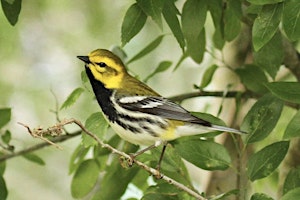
pixel 84 59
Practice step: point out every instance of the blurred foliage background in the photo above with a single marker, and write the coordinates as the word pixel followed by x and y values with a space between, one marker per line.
pixel 38 61
pixel 39 69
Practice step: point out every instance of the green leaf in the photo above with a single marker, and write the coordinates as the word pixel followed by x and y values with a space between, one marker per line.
pixel 6 137
pixel 34 158
pixel 84 179
pixel 210 118
pixel 292 180
pixel 163 188
pixel 224 195
pixel 193 19
pixel 216 10
pixel 253 10
pixel 161 191
pixel 72 98
pixel 150 47
pixel 236 6
pixel 293 129
pixel 291 19
pixel 5 115
pixel 113 141
pixel 208 74
pixel 172 164
pixel 153 8
pixel 171 161
pixel 196 48
pixel 116 180
pixel 133 22
pixel 262 118
pixel 103 156
pixel 218 39
pixel 2 166
pixel 287 91
pixel 204 154
pixel 170 14
pixel 97 124
pixel 264 2
pixel 266 25
pixel 11 10
pixel 139 180
pixel 292 195
pixel 84 77
pixel 77 158
pixel 181 59
pixel 232 23
pixel 158 196
pixel 3 189
pixel 270 56
pixel 265 161
pixel 246 75
pixel 260 196
pixel 163 66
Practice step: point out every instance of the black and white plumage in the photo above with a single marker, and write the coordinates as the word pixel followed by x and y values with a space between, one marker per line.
pixel 162 118
pixel 136 112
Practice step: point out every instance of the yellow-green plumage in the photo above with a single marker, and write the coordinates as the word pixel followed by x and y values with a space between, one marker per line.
pixel 135 111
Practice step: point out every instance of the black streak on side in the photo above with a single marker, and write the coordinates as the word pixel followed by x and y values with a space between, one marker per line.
pixel 103 97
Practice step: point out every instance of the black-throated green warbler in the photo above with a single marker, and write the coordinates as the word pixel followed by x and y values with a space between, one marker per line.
pixel 136 112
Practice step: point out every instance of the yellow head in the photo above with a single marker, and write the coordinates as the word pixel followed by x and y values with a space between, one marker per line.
pixel 105 67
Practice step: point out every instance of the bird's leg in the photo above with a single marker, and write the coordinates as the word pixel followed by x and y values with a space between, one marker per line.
pixel 159 176
pixel 161 157
pixel 134 155
pixel 156 144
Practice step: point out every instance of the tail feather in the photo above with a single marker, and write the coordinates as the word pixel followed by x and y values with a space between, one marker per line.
pixel 227 129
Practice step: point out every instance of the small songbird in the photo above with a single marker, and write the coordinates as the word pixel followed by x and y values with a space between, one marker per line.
pixel 135 112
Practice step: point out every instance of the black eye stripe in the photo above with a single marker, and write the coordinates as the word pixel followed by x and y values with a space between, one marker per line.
pixel 101 64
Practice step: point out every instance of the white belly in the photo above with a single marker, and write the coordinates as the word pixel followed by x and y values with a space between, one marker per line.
pixel 135 138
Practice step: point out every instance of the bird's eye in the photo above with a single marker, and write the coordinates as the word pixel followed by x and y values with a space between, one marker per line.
pixel 101 64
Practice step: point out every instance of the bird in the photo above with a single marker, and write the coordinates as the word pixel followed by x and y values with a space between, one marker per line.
pixel 135 111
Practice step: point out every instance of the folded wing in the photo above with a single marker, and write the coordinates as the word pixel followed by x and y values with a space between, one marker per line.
pixel 161 107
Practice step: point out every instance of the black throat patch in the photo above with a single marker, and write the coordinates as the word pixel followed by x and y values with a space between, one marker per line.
pixel 103 97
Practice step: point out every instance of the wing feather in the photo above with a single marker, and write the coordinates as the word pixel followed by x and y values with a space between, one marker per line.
pixel 162 107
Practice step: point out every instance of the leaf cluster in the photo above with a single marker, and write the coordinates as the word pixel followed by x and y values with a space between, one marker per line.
pixel 272 24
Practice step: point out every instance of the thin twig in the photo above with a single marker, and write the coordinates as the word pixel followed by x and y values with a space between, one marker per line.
pixel 152 171
pixel 57 139
pixel 39 133
pixel 231 94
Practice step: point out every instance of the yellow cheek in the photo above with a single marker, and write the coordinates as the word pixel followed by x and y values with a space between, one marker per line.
pixel 112 82
pixel 109 80
pixel 98 75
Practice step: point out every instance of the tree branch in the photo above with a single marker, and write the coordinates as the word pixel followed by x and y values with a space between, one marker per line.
pixel 221 94
pixel 231 94
pixel 57 139
pixel 56 128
